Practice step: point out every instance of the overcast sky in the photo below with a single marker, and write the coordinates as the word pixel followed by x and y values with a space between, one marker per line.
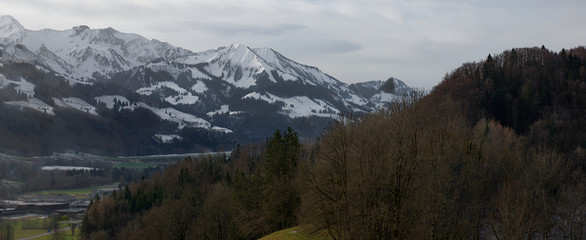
pixel 417 41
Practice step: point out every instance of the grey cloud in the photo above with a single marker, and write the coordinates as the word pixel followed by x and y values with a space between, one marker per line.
pixel 307 46
pixel 237 29
pixel 401 38
pixel 333 46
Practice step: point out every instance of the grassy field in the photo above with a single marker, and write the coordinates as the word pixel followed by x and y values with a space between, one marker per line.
pixel 295 233
pixel 22 233
pixel 141 162
pixel 36 226
pixel 76 191
pixel 65 234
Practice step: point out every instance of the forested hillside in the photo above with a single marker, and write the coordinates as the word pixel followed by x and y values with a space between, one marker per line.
pixel 495 151
pixel 245 196
pixel 538 93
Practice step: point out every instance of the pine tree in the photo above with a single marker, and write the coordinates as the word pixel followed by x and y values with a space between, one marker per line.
pixel 282 198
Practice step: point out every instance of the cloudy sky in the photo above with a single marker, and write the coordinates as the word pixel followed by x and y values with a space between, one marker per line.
pixel 417 41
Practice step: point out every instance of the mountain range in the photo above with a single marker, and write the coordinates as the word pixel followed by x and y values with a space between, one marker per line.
pixel 107 92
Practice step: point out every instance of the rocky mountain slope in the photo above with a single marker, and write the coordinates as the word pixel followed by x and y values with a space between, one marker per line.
pixel 382 92
pixel 103 89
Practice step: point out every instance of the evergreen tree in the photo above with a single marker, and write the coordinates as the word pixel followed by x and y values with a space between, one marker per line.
pixel 283 153
pixel 282 198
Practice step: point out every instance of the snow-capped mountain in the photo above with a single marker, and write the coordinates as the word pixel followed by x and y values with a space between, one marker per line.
pixel 214 98
pixel 81 52
pixel 382 92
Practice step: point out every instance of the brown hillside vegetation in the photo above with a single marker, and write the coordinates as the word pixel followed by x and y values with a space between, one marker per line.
pixel 495 151
pixel 536 92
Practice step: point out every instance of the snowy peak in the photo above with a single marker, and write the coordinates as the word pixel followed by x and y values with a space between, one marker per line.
pixel 10 30
pixel 8 20
pixel 242 66
pixel 85 55
pixel 237 64
pixel 274 58
pixel 80 52
pixel 310 74
pixel 240 54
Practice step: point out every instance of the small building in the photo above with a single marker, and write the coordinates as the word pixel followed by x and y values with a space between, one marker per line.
pixel 41 208
pixel 71 213
pixel 5 212
pixel 46 198
pixel 103 192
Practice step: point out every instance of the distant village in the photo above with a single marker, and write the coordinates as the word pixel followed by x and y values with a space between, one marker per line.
pixel 72 206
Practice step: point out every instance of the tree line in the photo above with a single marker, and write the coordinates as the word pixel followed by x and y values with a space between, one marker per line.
pixel 245 196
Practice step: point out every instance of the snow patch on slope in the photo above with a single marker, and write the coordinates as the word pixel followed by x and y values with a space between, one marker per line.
pixel 110 101
pixel 26 88
pixel 181 118
pixel 167 138
pixel 184 119
pixel 171 85
pixel 199 87
pixel 4 82
pixel 355 100
pixel 298 106
pixel 183 96
pixel 221 129
pixel 77 104
pixel 385 97
pixel 34 104
pixel 196 74
pixel 223 109
pixel 187 99
pixel 22 86
pixel 200 57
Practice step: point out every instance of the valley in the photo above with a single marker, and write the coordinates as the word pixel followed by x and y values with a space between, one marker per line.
pixel 34 190
pixel 61 172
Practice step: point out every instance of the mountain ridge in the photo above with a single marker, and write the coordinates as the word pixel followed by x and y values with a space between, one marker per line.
pixel 234 93
pixel 86 50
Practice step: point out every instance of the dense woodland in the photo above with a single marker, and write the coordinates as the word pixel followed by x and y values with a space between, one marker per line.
pixel 495 151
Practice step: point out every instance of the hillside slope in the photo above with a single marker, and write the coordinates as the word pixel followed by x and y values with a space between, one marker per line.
pixel 536 92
